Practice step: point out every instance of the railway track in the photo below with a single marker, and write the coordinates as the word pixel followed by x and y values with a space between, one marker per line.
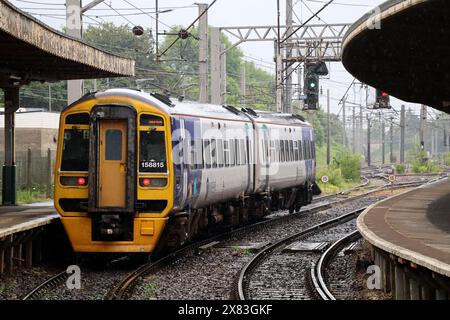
pixel 48 284
pixel 241 287
pixel 123 287
pixel 121 290
pixel 318 271
pixel 315 282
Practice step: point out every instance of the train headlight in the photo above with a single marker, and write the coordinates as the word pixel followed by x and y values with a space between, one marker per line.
pixel 146 182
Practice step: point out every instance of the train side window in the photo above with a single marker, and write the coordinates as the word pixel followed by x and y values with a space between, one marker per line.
pixel 305 155
pixel 220 153
pixel 232 153
pixel 314 150
pixel 192 155
pixel 291 150
pixel 263 153
pixel 309 150
pixel 198 154
pixel 272 151
pixel 249 148
pixel 282 150
pixel 300 153
pixel 277 150
pixel 306 150
pixel 226 153
pixel 295 150
pixel 214 153
pixel 207 153
pixel 242 151
pixel 286 151
pixel 238 152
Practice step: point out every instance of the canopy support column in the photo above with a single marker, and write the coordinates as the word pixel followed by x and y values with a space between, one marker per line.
pixel 9 167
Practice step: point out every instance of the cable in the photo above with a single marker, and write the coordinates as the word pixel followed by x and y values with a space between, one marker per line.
pixel 125 18
pixel 308 20
pixel 187 29
pixel 146 13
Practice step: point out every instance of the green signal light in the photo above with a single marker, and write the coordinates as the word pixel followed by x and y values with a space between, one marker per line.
pixel 312 85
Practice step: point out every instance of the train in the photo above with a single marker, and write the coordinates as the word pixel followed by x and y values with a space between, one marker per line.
pixel 137 171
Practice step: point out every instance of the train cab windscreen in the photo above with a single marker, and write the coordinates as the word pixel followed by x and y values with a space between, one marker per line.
pixel 75 154
pixel 152 151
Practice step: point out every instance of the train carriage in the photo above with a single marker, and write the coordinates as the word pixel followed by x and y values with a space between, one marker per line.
pixel 137 171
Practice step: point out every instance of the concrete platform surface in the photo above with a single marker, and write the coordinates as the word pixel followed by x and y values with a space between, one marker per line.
pixel 414 226
pixel 21 218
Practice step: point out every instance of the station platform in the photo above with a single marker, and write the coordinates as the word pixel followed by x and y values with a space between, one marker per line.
pixel 413 229
pixel 21 230
pixel 22 218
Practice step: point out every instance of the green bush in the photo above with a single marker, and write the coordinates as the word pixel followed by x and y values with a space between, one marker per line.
pixel 400 168
pixel 349 164
pixel 334 176
pixel 447 159
pixel 420 164
pixel 343 173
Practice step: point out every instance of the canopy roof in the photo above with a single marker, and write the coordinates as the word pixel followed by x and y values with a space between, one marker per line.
pixel 408 56
pixel 30 50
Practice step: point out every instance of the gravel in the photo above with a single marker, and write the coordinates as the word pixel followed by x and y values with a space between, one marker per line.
pixel 210 274
pixel 205 276
pixel 23 281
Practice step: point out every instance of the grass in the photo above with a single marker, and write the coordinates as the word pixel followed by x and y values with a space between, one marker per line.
pixel 3 288
pixel 27 196
pixel 36 193
pixel 150 289
pixel 241 251
pixel 329 188
pixel 344 170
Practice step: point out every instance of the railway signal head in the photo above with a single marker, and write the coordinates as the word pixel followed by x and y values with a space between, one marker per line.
pixel 382 100
pixel 312 91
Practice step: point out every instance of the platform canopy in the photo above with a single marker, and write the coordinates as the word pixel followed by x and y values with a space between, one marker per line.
pixel 403 48
pixel 31 50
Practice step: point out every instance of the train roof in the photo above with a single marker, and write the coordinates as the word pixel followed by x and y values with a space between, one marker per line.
pixel 196 109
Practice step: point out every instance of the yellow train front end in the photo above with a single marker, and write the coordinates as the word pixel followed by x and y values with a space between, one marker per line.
pixel 113 182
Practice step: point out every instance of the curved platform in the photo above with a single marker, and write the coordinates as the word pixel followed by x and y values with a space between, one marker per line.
pixel 414 226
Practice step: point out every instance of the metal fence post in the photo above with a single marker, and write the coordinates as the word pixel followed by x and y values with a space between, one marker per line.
pixel 29 168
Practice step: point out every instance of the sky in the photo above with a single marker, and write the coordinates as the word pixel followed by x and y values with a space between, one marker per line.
pixel 227 13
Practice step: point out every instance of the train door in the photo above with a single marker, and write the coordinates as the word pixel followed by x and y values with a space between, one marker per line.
pixel 185 145
pixel 266 160
pixel 112 163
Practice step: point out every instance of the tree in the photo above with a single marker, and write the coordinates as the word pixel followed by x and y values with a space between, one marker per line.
pixel 176 74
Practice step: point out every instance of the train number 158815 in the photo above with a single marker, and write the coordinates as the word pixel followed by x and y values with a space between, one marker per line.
pixel 152 164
